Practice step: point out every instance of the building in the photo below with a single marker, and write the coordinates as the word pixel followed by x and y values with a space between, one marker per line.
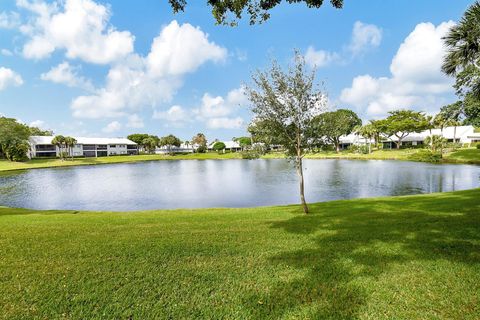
pixel 229 146
pixel 184 148
pixel 460 134
pixel 42 147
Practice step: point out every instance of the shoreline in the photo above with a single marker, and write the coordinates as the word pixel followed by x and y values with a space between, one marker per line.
pixel 469 156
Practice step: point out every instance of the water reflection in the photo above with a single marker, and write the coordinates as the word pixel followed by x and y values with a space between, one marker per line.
pixel 217 183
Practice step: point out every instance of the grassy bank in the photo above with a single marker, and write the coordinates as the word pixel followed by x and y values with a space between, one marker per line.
pixel 461 156
pixel 415 257
pixel 47 163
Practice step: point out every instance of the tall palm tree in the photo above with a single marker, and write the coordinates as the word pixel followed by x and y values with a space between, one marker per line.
pixel 463 55
pixel 59 141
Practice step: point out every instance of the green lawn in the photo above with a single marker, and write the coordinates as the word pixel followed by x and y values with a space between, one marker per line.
pixel 415 257
pixel 46 163
pixel 471 155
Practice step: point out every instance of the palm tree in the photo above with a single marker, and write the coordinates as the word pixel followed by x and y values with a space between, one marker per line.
pixel 59 141
pixel 70 142
pixel 463 44
pixel 367 131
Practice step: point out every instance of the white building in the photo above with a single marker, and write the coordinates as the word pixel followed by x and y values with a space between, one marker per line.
pixel 460 134
pixel 229 145
pixel 184 148
pixel 41 146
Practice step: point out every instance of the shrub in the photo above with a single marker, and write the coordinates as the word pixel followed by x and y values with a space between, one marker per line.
pixel 478 145
pixel 202 149
pixel 426 156
pixel 219 146
pixel 17 151
pixel 358 149
pixel 250 154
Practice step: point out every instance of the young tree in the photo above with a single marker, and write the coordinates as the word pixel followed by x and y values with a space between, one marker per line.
pixel 401 123
pixel 463 52
pixel 332 125
pixel 138 138
pixel 244 142
pixel 169 142
pixel 284 104
pixel 200 142
pixel 258 10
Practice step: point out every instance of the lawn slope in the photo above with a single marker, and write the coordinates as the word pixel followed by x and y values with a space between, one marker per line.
pixel 415 257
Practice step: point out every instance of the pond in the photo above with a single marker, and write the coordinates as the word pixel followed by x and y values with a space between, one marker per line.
pixel 224 183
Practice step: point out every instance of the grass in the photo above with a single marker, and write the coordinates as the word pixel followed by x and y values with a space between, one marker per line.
pixel 47 163
pixel 414 257
pixel 471 155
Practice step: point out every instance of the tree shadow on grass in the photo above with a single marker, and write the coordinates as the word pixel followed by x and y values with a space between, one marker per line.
pixel 361 240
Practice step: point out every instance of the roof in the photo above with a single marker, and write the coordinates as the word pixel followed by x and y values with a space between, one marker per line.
pixel 83 140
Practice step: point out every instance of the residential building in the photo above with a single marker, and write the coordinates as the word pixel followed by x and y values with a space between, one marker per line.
pixel 41 147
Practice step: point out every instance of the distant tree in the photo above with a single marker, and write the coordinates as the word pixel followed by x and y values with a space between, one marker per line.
pixel 368 132
pixel 34 131
pixel 401 123
pixel 224 10
pixel 219 146
pixel 284 104
pixel 138 138
pixel 332 125
pixel 199 141
pixel 59 141
pixel 70 142
pixel 150 144
pixel 463 53
pixel 169 142
pixel 244 142
pixel 13 139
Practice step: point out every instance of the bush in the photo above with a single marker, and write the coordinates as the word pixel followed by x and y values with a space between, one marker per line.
pixel 358 149
pixel 219 146
pixel 17 151
pixel 478 145
pixel 250 154
pixel 202 149
pixel 426 156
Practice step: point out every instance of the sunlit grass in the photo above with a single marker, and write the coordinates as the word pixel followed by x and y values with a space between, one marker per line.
pixel 415 257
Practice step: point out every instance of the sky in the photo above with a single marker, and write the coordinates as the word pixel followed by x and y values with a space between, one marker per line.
pixel 114 67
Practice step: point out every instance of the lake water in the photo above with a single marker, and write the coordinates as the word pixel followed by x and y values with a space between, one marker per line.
pixel 224 183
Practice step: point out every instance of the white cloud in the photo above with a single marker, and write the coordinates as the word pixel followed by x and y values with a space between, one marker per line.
pixel 6 52
pixel 225 123
pixel 66 74
pixel 9 20
pixel 147 81
pixel 80 27
pixel 416 79
pixel 364 36
pixel 112 127
pixel 37 124
pixel 176 113
pixel 181 49
pixel 134 121
pixel 8 77
pixel 320 58
pixel 218 106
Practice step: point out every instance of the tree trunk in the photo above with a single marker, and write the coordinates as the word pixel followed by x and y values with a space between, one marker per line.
pixel 399 142
pixel 302 185
pixel 337 146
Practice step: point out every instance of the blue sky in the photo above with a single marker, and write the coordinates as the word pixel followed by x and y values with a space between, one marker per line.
pixel 111 68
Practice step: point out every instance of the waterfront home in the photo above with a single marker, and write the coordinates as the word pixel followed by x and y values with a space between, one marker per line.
pixel 42 147
pixel 229 146
pixel 184 148
pixel 460 134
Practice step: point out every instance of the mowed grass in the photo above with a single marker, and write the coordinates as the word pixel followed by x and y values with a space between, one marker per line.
pixel 414 257
pixel 471 155
pixel 47 163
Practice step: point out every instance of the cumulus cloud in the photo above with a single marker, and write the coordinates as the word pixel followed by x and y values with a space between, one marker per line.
pixel 9 20
pixel 364 36
pixel 8 78
pixel 320 58
pixel 219 106
pixel 225 123
pixel 6 52
pixel 66 74
pixel 416 80
pixel 37 124
pixel 80 27
pixel 134 121
pixel 112 127
pixel 154 79
pixel 174 114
